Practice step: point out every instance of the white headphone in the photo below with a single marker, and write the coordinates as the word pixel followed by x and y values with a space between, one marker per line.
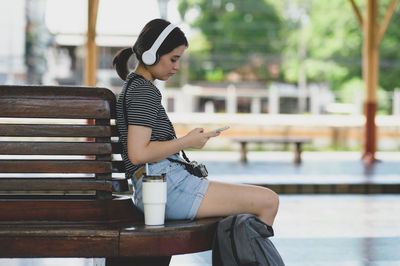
pixel 149 57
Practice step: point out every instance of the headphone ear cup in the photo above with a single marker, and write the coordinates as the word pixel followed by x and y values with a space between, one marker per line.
pixel 149 58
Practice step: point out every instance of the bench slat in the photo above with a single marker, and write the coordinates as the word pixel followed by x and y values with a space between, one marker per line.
pixel 54 148
pixel 55 92
pixel 54 166
pixel 89 210
pixel 37 108
pixel 63 184
pixel 29 243
pixel 54 184
pixel 48 130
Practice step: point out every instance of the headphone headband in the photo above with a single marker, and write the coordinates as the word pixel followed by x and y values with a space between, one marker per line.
pixel 149 57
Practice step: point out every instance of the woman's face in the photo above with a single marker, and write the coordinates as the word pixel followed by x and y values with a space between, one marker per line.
pixel 168 64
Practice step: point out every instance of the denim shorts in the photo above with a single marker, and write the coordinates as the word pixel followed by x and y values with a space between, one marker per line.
pixel 185 192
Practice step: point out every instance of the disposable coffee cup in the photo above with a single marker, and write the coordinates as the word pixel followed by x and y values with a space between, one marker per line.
pixel 154 189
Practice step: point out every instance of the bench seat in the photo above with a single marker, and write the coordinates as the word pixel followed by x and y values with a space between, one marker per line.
pixel 113 239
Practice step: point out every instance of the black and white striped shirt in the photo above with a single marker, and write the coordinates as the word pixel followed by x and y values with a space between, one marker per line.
pixel 143 108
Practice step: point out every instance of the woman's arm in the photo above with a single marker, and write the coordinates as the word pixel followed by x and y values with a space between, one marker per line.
pixel 142 150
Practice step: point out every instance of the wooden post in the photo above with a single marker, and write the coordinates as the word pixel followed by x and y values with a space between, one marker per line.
pixel 370 75
pixel 91 48
pixel 373 34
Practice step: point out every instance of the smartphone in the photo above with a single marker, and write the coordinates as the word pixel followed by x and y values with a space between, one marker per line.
pixel 220 129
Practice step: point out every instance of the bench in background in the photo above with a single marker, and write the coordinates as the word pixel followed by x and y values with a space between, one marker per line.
pixel 62 183
pixel 296 141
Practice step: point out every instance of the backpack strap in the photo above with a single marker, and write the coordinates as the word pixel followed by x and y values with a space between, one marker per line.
pixel 231 231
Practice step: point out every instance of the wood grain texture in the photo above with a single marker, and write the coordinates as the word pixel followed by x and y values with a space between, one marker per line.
pixel 54 130
pixel 54 166
pixel 63 211
pixel 54 148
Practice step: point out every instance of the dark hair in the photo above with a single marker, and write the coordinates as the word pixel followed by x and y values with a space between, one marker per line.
pixel 145 40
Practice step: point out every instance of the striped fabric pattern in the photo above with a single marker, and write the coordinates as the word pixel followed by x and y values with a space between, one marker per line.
pixel 143 108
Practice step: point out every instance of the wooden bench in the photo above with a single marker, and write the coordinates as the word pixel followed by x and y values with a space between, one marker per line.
pixel 296 141
pixel 62 183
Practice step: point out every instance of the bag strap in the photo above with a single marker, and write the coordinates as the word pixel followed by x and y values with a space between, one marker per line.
pixel 123 101
pixel 125 114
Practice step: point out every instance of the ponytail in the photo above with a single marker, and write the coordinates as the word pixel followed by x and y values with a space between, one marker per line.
pixel 120 62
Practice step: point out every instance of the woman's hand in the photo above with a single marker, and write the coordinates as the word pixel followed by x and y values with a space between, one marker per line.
pixel 197 138
pixel 142 150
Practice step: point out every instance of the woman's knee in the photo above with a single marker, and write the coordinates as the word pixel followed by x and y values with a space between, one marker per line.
pixel 271 202
pixel 276 202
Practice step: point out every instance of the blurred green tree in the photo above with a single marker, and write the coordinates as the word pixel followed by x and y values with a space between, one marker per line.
pixel 389 77
pixel 271 39
pixel 240 37
pixel 333 44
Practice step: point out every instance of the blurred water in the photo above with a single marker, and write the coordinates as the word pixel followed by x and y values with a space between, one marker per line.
pixel 277 167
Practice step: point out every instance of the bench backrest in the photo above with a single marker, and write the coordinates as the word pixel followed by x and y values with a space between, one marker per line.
pixel 58 142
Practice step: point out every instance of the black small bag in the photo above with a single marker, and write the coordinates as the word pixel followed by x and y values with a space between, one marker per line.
pixel 193 167
pixel 242 240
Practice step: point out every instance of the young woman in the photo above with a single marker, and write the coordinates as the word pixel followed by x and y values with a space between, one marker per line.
pixel 149 137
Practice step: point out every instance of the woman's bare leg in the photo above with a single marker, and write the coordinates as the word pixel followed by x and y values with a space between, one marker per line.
pixel 224 199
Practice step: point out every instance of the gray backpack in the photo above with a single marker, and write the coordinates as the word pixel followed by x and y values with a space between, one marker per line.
pixel 243 240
